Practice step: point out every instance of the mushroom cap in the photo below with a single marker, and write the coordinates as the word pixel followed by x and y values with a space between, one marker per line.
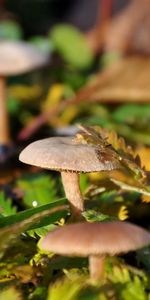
pixel 99 238
pixel 65 154
pixel 19 57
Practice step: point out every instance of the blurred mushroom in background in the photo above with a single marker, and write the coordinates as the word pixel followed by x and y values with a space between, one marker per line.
pixel 15 58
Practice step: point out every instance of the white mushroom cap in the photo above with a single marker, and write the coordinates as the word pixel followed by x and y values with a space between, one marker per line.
pixel 19 57
pixel 65 154
pixel 99 238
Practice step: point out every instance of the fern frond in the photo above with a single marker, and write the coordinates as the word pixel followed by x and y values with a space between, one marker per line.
pixel 6 206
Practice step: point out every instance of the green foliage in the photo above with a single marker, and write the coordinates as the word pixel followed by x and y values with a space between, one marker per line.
pixel 77 288
pixel 130 113
pixel 65 289
pixel 38 294
pixel 110 197
pixel 38 189
pixel 31 213
pixel 120 284
pixel 13 105
pixel 13 226
pixel 6 206
pixel 134 290
pixel 127 285
pixel 40 232
pixel 10 30
pixel 73 79
pixel 84 182
pixel 93 216
pixel 124 120
pixel 72 46
pixel 10 293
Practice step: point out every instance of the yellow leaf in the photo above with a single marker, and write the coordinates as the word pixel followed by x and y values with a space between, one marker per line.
pixel 25 93
pixel 55 95
pixel 69 114
pixel 123 213
pixel 97 176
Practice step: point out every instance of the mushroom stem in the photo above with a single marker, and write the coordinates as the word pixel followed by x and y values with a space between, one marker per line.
pixel 96 266
pixel 72 190
pixel 4 123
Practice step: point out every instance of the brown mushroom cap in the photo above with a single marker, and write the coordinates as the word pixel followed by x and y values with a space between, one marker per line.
pixel 65 154
pixel 99 238
pixel 19 57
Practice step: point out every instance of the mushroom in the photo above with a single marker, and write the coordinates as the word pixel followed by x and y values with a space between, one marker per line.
pixel 95 240
pixel 15 58
pixel 71 157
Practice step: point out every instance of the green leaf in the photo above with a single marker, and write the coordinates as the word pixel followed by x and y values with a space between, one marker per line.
pixel 130 113
pixel 31 213
pixel 84 182
pixel 13 105
pixel 38 189
pixel 93 216
pixel 129 285
pixel 72 46
pixel 12 227
pixel 75 287
pixel 40 232
pixel 91 293
pixel 10 30
pixel 134 290
pixel 6 206
pixel 38 294
pixel 109 197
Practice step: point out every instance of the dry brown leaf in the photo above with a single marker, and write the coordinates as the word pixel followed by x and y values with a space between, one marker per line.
pixel 26 274
pixel 129 31
pixel 126 81
pixel 129 82
pixel 110 144
pixel 130 176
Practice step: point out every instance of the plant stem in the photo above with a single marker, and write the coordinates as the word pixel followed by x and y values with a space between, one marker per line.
pixel 73 193
pixel 96 35
pixel 105 11
pixel 96 266
pixel 4 122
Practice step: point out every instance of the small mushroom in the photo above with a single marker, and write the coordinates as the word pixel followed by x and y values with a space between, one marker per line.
pixel 95 240
pixel 15 58
pixel 71 157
